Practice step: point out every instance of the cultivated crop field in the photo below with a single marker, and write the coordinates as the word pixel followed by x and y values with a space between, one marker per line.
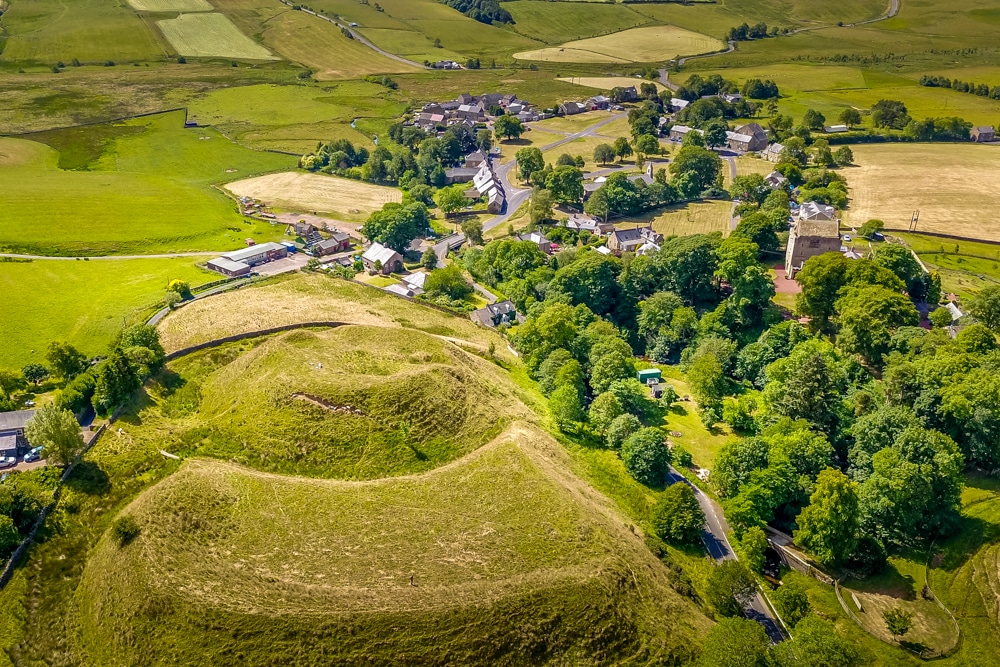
pixel 647 44
pixel 81 302
pixel 210 35
pixel 146 191
pixel 171 5
pixel 304 192
pixel 950 184
pixel 606 83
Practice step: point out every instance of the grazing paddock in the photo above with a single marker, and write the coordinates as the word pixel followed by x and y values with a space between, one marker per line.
pixel 211 35
pixel 47 31
pixel 171 5
pixel 640 45
pixel 296 191
pixel 952 185
pixel 556 22
pixel 81 302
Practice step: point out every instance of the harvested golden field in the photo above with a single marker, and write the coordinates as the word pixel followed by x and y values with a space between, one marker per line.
pixel 606 83
pixel 302 192
pixel 952 185
pixel 638 45
pixel 684 220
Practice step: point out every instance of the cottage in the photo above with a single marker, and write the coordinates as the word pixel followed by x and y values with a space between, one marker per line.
pixel 983 134
pixel 816 231
pixel 630 240
pixel 588 223
pixel 380 259
pixel 773 152
pixel 737 141
pixel 12 431
pixel 677 132
pixel 495 314
pixel 543 243
pixel 400 290
pixel 416 281
pixel 676 104
pixel 732 98
pixel 628 94
pixel 338 242
pixel 301 228
pixel 475 160
pixel 757 138
pixel 571 108
pixel 459 175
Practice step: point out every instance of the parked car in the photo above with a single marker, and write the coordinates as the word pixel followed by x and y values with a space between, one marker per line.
pixel 7 462
pixel 29 404
pixel 847 237
pixel 33 455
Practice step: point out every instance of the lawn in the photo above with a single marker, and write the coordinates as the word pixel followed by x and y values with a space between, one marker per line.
pixel 949 184
pixel 49 31
pixel 317 193
pixel 646 44
pixel 84 303
pixel 210 35
pixel 142 193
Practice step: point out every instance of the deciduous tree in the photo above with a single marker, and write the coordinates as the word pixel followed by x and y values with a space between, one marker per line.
pixel 677 516
pixel 730 588
pixel 58 432
pixel 646 456
pixel 828 527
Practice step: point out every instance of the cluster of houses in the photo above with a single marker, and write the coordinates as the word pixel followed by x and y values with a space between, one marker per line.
pixel 478 170
pixel 474 110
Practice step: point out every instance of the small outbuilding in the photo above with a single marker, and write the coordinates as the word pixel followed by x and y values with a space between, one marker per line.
pixel 983 134
pixel 649 375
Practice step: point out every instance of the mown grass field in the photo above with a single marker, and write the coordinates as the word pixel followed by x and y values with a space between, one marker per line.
pixel 949 184
pixel 303 192
pixel 210 35
pixel 49 31
pixel 171 5
pixel 81 302
pixel 694 218
pixel 645 44
pixel 606 83
pixel 144 193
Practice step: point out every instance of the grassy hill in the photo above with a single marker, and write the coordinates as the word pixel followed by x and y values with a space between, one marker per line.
pixel 321 470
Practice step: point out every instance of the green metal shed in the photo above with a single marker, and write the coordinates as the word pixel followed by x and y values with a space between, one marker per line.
pixel 647 374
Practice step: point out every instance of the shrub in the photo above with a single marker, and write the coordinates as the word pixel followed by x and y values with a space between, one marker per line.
pixel 124 530
pixel 646 456
pixel 682 457
pixel 9 537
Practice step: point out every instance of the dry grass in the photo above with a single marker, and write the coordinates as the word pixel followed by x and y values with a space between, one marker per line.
pixel 304 192
pixel 646 44
pixel 952 185
pixel 606 83
pixel 171 5
pixel 695 218
pixel 310 298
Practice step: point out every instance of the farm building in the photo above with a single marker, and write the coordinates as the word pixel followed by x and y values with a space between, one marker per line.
pixel 835 129
pixel 12 425
pixel 983 134
pixel 338 242
pixel 649 375
pixel 676 104
pixel 379 259
pixel 816 231
pixel 677 132
pixel 588 223
pixel 598 103
pixel 400 290
pixel 572 108
pixel 630 240
pixel 415 281
pixel 496 314
pixel 731 98
pixel 459 175
pixel 239 262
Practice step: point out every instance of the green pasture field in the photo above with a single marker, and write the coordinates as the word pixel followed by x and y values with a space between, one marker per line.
pixel 171 5
pixel 646 44
pixel 297 117
pixel 306 39
pixel 81 302
pixel 557 22
pixel 413 45
pixel 49 31
pixel 143 193
pixel 965 266
pixel 950 184
pixel 210 35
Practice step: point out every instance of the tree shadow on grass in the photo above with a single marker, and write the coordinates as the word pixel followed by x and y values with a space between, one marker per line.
pixel 890 582
pixel 89 478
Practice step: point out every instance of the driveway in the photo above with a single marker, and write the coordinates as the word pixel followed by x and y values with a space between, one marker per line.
pixel 717 544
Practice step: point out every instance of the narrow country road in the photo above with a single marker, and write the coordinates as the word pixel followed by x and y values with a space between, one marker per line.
pixel 717 544
pixel 516 196
pixel 356 35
